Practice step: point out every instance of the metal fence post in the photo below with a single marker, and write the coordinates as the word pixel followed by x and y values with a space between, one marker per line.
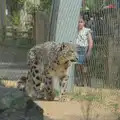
pixel 66 27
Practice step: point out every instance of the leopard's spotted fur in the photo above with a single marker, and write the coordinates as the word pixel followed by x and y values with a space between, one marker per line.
pixel 46 62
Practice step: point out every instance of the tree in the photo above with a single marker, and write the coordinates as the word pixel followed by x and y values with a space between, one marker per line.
pixel 94 5
pixel 45 5
pixel 20 9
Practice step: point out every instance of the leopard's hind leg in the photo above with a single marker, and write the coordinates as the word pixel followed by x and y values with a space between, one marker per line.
pixel 35 86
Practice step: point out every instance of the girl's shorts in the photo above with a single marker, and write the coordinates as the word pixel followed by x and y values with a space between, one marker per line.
pixel 81 54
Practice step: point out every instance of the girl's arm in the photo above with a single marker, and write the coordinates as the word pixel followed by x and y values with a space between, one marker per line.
pixel 90 44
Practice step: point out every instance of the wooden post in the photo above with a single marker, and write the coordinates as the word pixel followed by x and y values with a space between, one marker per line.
pixel 2 13
pixel 2 19
pixel 41 27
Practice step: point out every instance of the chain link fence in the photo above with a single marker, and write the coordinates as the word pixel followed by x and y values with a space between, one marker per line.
pixel 18 34
pixel 103 68
pixel 14 46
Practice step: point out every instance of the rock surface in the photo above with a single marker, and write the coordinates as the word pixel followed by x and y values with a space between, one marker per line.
pixel 15 105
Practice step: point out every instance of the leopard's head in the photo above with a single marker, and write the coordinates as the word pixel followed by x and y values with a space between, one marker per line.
pixel 67 53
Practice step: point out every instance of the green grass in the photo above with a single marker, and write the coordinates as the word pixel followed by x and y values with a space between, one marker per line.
pixel 88 97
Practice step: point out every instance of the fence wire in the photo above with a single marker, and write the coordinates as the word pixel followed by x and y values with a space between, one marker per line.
pixel 103 68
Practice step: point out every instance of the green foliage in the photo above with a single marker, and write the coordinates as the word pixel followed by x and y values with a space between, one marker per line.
pixel 15 19
pixel 18 1
pixel 56 92
pixel 16 6
pixel 94 5
pixel 89 97
pixel 116 106
pixel 110 2
pixel 31 8
pixel 45 5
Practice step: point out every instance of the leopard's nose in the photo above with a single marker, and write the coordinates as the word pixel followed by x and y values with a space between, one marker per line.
pixel 72 60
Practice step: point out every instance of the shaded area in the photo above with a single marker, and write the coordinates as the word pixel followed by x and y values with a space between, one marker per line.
pixel 12 62
pixel 15 105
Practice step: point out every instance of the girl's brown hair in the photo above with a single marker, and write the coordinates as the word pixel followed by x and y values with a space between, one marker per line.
pixel 83 18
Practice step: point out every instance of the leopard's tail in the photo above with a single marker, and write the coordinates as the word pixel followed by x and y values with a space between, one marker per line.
pixel 8 83
pixel 20 84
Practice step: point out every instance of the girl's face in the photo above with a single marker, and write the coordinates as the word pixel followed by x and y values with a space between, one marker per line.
pixel 81 23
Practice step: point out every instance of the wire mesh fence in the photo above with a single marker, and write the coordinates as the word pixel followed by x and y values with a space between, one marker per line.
pixel 13 51
pixel 103 67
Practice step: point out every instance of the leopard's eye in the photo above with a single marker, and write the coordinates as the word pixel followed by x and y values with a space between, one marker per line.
pixel 71 51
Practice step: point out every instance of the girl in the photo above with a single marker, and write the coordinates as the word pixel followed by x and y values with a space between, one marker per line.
pixel 84 44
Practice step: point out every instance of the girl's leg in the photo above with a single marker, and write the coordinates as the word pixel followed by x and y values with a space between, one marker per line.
pixel 81 68
pixel 79 77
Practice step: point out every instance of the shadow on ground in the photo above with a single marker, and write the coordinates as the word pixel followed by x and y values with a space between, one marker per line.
pixel 16 105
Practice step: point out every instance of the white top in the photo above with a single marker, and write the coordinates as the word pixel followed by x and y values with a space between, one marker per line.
pixel 82 38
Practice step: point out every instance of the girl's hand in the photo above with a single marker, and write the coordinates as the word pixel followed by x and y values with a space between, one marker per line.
pixel 88 54
pixel 90 46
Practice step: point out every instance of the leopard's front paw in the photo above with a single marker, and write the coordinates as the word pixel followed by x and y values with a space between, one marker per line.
pixel 64 98
pixel 50 97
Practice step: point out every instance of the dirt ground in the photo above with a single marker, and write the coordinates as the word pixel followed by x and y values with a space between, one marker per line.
pixel 74 110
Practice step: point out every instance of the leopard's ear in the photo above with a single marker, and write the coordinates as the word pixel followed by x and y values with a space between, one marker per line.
pixel 62 46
